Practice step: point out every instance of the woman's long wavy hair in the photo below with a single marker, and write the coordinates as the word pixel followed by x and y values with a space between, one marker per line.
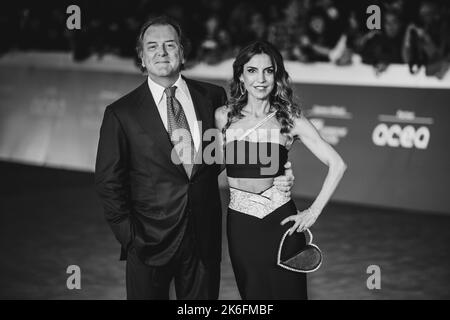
pixel 281 97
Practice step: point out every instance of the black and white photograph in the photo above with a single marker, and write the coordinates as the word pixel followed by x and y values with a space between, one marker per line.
pixel 235 150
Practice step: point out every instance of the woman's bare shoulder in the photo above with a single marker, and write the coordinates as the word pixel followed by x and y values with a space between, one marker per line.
pixel 221 115
pixel 223 110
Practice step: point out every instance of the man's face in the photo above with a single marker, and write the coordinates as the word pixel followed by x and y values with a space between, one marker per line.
pixel 428 13
pixel 162 54
pixel 317 24
pixel 391 25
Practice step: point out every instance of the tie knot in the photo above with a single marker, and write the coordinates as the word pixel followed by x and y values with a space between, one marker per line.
pixel 170 92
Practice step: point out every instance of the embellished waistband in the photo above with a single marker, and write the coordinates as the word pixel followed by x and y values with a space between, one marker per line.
pixel 257 204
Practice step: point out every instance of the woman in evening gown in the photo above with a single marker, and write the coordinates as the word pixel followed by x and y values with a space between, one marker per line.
pixel 259 125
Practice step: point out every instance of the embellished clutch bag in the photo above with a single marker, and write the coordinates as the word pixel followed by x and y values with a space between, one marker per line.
pixel 306 259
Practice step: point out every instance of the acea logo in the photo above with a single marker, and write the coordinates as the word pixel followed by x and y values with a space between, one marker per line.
pixel 402 130
pixel 318 115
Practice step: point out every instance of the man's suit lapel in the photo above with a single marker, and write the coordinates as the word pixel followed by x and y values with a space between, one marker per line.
pixel 203 110
pixel 150 121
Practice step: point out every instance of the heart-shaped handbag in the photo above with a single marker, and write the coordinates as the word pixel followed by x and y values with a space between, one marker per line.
pixel 306 259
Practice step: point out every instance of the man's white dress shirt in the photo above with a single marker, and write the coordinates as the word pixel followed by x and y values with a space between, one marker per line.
pixel 184 97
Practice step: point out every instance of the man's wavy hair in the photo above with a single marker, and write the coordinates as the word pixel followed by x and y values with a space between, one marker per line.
pixel 161 21
pixel 281 97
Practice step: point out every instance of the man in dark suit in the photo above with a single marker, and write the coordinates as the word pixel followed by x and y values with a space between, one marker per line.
pixel 166 215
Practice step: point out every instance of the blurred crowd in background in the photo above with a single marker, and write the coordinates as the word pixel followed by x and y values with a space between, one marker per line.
pixel 413 32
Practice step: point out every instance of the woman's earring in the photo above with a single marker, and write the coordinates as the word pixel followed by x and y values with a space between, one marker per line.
pixel 241 88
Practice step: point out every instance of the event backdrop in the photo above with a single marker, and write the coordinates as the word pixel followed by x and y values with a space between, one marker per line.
pixel 393 135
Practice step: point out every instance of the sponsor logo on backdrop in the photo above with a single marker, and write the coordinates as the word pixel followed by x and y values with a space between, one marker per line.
pixel 402 130
pixel 318 115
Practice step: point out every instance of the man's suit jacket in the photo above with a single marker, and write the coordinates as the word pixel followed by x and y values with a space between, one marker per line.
pixel 144 194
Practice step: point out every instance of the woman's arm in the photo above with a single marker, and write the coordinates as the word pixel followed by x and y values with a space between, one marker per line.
pixel 221 117
pixel 308 134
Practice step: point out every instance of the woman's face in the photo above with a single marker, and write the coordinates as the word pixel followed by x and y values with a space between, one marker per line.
pixel 317 25
pixel 258 76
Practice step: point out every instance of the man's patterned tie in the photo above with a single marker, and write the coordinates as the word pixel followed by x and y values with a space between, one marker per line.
pixel 177 123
